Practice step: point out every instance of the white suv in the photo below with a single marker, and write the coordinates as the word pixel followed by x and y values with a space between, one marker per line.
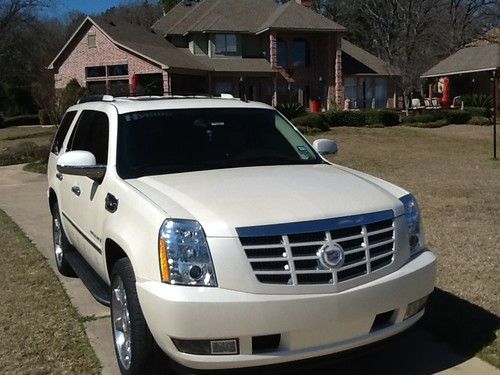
pixel 213 228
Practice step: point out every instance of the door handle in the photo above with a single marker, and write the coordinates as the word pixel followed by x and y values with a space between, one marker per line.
pixel 76 190
pixel 59 176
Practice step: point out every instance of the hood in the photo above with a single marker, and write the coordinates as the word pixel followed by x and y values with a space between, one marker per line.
pixel 225 199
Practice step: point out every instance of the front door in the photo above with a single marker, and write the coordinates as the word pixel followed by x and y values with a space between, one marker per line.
pixel 83 198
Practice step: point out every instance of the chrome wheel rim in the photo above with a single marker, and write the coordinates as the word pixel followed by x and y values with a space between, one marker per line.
pixel 121 322
pixel 57 234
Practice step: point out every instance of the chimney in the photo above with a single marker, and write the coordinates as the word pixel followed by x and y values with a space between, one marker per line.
pixel 306 3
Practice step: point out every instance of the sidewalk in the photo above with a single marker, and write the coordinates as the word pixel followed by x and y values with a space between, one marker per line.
pixel 23 198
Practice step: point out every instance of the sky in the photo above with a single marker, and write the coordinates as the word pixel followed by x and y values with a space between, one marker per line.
pixel 62 7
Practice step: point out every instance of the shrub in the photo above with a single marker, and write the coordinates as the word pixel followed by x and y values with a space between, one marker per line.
pixel 311 120
pixel 478 100
pixel 345 118
pixel 2 120
pixel 44 117
pixel 382 116
pixel 291 110
pixel 423 118
pixel 22 120
pixel 478 111
pixel 479 120
pixel 456 117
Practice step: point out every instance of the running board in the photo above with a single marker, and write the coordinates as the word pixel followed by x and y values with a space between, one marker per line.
pixel 94 283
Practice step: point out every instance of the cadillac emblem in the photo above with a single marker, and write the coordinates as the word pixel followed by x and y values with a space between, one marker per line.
pixel 331 255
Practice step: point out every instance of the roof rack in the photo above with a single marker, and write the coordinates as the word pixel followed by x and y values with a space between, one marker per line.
pixel 111 98
pixel 96 98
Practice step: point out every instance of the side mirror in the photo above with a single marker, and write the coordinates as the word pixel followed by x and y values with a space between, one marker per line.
pixel 80 163
pixel 325 147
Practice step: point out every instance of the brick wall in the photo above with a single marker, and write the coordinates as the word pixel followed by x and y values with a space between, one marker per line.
pixel 105 53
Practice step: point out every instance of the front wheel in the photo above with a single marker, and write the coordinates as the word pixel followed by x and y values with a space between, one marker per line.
pixel 61 244
pixel 132 339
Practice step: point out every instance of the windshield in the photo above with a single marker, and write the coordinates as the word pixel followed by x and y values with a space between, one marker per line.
pixel 183 140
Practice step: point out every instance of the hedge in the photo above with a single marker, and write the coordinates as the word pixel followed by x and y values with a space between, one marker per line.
pixel 450 117
pixel 382 116
pixel 311 120
pixel 478 111
pixel 480 120
pixel 21 120
pixel 345 118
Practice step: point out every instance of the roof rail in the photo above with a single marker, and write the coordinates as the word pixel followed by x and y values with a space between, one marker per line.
pixel 96 98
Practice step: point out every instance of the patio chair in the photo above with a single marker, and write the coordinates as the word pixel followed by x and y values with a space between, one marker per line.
pixel 435 103
pixel 428 104
pixel 416 104
pixel 456 103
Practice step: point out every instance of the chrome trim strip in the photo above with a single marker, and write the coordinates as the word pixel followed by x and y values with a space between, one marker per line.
pixel 97 248
pixel 315 225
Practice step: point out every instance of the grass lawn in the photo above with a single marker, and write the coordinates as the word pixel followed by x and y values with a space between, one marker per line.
pixel 457 184
pixel 25 144
pixel 40 331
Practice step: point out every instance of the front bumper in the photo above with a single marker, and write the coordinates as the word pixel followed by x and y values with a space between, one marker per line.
pixel 310 325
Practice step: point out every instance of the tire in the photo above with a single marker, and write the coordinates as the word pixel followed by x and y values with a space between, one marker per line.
pixel 133 342
pixel 61 244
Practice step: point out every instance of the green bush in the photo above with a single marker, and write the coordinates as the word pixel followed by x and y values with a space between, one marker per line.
pixel 2 120
pixel 456 117
pixel 479 120
pixel 311 120
pixel 381 116
pixel 291 110
pixel 21 120
pixel 345 118
pixel 422 119
pixel 478 111
pixel 44 117
pixel 478 100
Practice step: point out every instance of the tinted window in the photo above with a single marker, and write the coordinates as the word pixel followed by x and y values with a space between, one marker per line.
pixel 282 51
pixel 173 141
pixel 62 131
pixel 91 134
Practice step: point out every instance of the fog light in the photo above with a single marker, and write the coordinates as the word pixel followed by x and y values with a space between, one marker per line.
pixel 207 347
pixel 415 307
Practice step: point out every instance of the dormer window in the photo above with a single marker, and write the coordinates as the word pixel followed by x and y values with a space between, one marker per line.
pixel 226 43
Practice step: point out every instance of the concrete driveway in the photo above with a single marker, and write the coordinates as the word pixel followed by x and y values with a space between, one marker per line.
pixel 23 198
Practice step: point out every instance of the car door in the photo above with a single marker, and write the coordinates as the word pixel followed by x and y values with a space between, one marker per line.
pixel 83 198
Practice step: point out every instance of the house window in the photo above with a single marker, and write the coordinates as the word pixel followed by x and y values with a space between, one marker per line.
pixel 118 70
pixel 282 52
pixel 223 88
pixel 301 53
pixel 91 41
pixel 95 71
pixel 226 43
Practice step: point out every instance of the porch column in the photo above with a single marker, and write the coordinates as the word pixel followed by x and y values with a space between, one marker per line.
pixel 274 101
pixel 273 49
pixel 339 79
pixel 167 83
pixel 335 79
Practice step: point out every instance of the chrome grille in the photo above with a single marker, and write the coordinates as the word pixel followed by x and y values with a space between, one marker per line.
pixel 289 253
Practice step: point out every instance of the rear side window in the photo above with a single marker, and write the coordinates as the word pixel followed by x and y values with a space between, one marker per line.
pixel 62 131
pixel 91 134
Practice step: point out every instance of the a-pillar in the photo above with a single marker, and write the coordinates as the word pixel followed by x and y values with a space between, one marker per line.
pixel 167 83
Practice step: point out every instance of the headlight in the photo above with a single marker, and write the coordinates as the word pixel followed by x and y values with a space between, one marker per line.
pixel 184 254
pixel 413 219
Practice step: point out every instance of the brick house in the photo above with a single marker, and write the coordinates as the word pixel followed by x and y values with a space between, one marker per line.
pixel 261 49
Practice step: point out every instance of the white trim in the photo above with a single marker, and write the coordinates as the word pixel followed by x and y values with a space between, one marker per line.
pixel 455 73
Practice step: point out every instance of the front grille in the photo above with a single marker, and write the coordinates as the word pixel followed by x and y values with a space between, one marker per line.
pixel 289 254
